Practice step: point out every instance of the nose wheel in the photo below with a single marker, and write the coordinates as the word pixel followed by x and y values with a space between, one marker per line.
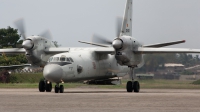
pixel 58 88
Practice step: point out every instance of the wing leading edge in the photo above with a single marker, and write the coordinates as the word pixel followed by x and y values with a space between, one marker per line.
pixel 165 44
pixel 12 51
pixel 144 50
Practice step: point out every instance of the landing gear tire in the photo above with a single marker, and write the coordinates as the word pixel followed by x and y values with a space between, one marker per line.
pixel 56 89
pixel 136 86
pixel 129 86
pixel 61 88
pixel 48 87
pixel 41 86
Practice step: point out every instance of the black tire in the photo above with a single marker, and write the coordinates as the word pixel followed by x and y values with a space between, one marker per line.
pixel 48 87
pixel 129 86
pixel 136 86
pixel 61 88
pixel 41 86
pixel 56 89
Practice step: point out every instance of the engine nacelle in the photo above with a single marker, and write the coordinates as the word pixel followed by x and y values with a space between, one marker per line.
pixel 35 52
pixel 125 51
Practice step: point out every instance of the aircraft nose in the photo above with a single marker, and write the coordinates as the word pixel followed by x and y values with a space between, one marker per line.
pixel 53 72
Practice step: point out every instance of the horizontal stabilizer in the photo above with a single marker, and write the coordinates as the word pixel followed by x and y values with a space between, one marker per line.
pixel 144 50
pixel 165 44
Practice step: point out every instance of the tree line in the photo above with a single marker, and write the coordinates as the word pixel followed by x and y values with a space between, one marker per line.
pixel 155 61
pixel 9 38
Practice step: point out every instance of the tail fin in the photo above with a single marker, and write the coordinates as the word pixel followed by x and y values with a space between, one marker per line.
pixel 127 20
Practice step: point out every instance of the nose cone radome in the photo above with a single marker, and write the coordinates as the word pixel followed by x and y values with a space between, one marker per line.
pixel 53 72
pixel 27 44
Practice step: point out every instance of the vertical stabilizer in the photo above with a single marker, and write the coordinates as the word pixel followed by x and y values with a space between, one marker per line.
pixel 127 20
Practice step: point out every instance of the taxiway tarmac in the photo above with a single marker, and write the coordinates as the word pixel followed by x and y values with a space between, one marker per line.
pixel 98 100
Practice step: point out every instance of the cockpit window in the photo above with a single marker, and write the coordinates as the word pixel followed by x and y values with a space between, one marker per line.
pixel 71 59
pixel 68 59
pixel 50 59
pixel 56 59
pixel 62 58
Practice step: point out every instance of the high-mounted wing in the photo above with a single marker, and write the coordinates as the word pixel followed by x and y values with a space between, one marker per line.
pixel 144 50
pixel 14 66
pixel 12 51
pixel 56 50
pixel 109 50
pixel 165 44
pixel 96 44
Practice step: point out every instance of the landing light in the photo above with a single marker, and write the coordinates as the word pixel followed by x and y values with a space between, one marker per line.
pixel 48 82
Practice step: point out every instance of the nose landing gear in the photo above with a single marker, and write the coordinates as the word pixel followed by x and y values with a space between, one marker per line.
pixel 58 88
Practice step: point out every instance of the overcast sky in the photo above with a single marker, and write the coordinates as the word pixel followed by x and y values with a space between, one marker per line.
pixel 154 21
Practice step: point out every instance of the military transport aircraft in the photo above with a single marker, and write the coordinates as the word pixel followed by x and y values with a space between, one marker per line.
pixel 112 59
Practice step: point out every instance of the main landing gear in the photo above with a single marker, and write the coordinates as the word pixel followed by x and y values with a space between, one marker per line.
pixel 45 85
pixel 132 85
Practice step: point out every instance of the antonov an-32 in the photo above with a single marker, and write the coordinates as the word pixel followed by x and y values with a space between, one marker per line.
pixel 111 59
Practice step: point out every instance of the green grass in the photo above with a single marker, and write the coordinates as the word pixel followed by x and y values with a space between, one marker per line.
pixel 25 77
pixel 144 84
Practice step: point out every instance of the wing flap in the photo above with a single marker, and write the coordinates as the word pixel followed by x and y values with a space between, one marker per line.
pixel 144 50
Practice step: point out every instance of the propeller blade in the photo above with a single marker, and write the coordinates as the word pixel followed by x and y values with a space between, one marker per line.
pixel 20 26
pixel 46 34
pixel 118 26
pixel 100 39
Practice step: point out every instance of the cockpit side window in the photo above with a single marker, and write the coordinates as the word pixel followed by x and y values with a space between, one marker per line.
pixel 71 59
pixel 50 59
pixel 68 59
pixel 56 59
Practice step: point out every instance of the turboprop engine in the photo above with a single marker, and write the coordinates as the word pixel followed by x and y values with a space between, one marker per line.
pixel 35 45
pixel 125 47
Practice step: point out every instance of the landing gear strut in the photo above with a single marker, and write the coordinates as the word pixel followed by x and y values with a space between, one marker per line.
pixel 45 85
pixel 58 88
pixel 132 85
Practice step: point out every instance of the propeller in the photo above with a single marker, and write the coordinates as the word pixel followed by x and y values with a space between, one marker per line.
pixel 46 34
pixel 118 26
pixel 100 39
pixel 116 43
pixel 20 26
pixel 103 42
pixel 28 43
